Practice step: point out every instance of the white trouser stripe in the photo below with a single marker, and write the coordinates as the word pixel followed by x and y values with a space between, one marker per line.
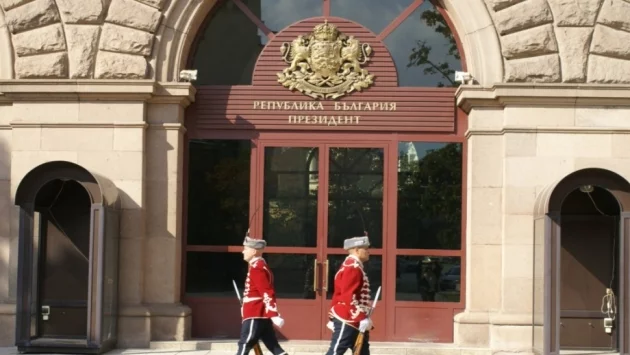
pixel 343 325
pixel 249 337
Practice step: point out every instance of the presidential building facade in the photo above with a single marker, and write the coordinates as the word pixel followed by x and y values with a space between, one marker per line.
pixel 483 146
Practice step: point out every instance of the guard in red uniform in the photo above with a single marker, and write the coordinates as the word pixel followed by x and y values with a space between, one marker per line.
pixel 351 300
pixel 259 309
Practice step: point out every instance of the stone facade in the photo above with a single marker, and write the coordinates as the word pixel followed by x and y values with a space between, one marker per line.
pixel 540 40
pixel 558 55
pixel 563 40
pixel 133 135
pixel 82 39
pixel 522 140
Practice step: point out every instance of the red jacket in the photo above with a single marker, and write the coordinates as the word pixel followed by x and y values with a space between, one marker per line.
pixel 351 298
pixel 259 297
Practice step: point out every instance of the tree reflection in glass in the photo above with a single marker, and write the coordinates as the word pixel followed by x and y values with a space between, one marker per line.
pixel 429 195
pixel 290 196
pixel 355 195
pixel 218 191
pixel 424 49
pixel 442 65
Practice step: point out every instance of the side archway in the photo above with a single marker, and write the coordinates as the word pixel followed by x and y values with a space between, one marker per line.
pixel 67 261
pixel 577 217
pixel 550 200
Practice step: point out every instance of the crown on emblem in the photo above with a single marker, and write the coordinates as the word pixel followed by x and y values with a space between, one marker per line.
pixel 325 32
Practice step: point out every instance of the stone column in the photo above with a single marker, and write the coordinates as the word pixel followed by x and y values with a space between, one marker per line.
pixel 134 327
pixel 170 320
pixel 483 231
pixel 7 302
pixel 512 325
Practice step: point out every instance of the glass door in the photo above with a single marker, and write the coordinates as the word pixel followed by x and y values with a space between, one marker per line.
pixel 355 193
pixel 312 197
pixel 288 208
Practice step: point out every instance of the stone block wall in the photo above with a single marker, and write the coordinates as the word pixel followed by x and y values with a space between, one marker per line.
pixel 541 40
pixel 133 135
pixel 80 39
pixel 585 41
pixel 7 240
pixel 103 137
pixel 517 148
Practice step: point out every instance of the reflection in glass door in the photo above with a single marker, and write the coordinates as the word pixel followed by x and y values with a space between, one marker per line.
pixel 355 196
pixel 289 201
pixel 290 193
pixel 314 197
pixel 306 198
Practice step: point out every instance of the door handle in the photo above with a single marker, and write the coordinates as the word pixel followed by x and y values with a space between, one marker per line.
pixel 315 278
pixel 45 312
pixel 326 276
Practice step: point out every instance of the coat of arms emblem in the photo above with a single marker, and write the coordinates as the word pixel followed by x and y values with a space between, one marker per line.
pixel 326 63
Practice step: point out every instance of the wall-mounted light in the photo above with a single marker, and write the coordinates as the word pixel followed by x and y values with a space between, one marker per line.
pixel 587 188
pixel 188 75
pixel 463 77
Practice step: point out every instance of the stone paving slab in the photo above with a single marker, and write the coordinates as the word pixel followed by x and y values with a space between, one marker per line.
pixel 320 347
pixel 229 347
pixel 13 351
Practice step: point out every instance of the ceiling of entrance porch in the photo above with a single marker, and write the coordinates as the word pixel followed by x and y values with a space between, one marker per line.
pixel 541 40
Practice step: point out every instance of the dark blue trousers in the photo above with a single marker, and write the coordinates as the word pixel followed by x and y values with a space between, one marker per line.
pixel 257 329
pixel 343 338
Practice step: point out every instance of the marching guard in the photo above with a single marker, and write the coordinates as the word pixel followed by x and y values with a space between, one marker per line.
pixel 351 300
pixel 259 310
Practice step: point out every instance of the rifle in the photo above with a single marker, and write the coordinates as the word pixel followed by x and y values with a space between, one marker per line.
pixel 256 348
pixel 358 344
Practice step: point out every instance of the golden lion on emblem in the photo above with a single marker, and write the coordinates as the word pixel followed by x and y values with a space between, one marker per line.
pixel 356 54
pixel 298 52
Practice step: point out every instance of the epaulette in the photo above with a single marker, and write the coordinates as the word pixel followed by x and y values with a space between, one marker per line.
pixel 352 263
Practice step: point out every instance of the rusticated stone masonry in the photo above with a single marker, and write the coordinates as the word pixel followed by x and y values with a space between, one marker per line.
pixel 80 39
pixel 572 41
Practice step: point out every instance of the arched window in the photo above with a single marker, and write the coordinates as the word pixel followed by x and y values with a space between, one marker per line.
pixel 418 36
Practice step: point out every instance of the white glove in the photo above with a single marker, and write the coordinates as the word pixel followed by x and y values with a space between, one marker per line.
pixel 365 324
pixel 330 325
pixel 279 322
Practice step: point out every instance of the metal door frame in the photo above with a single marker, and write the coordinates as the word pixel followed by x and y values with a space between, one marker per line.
pixel 322 250
pixel 104 201
pixel 548 206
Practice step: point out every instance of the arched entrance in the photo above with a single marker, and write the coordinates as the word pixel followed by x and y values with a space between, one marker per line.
pixel 306 167
pixel 68 255
pixel 581 264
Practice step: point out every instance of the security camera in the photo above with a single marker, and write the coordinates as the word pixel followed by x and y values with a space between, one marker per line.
pixel 463 77
pixel 188 75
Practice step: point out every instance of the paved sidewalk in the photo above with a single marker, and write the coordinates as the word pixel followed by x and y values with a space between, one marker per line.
pixel 294 347
pixel 13 351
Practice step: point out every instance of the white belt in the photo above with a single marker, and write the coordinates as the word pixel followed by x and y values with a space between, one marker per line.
pixel 251 299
